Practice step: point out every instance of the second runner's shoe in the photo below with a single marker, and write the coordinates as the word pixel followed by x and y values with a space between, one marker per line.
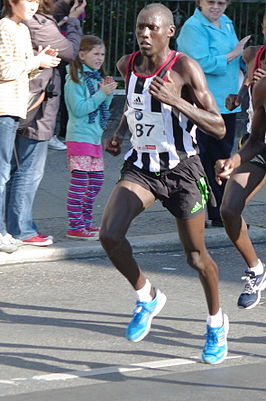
pixel 251 295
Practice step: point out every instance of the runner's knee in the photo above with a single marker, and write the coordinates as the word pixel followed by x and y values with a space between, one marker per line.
pixel 229 212
pixel 110 240
pixel 194 260
pixel 201 262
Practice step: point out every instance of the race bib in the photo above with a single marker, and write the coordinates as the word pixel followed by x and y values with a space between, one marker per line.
pixel 147 130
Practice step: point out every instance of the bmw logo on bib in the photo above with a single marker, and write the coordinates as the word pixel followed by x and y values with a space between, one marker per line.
pixel 138 115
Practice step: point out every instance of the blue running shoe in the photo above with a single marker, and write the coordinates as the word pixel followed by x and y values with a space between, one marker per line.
pixel 143 314
pixel 251 295
pixel 215 349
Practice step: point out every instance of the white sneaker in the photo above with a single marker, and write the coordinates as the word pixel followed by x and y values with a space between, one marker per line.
pixel 55 144
pixel 8 243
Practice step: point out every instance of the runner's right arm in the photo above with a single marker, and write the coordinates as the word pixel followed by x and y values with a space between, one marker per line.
pixel 256 140
pixel 113 144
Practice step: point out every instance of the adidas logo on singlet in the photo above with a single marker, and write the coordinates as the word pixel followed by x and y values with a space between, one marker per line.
pixel 137 101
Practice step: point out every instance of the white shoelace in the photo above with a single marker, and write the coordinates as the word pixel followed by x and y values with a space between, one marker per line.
pixel 249 287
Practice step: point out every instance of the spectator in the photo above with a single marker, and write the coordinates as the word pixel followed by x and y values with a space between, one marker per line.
pixel 61 13
pixel 17 61
pixel 88 96
pixel 32 140
pixel 209 37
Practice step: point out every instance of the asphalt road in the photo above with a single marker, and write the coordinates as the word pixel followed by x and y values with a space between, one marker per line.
pixel 62 327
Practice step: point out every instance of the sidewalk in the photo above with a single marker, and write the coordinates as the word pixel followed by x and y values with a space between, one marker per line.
pixel 153 230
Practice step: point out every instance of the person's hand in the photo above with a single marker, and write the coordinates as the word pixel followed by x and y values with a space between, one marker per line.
pixel 52 52
pixel 258 74
pixel 113 146
pixel 77 9
pixel 164 91
pixel 108 85
pixel 48 57
pixel 233 101
pixel 240 46
pixel 238 50
pixel 108 79
pixel 223 169
pixel 48 50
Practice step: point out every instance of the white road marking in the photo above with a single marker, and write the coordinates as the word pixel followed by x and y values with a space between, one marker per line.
pixel 110 369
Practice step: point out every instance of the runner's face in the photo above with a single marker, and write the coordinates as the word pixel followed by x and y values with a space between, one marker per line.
pixel 23 10
pixel 153 32
pixel 212 9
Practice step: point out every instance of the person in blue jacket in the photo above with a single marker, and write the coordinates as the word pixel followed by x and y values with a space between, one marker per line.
pixel 88 96
pixel 209 37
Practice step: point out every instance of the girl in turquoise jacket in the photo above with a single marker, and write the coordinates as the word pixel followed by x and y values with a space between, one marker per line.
pixel 88 97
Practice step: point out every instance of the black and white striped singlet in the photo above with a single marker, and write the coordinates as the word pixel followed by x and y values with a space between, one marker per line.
pixel 179 132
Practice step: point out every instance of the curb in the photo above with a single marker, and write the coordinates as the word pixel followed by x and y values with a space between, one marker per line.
pixel 215 237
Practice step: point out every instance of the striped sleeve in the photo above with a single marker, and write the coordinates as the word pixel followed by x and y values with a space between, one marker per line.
pixel 12 62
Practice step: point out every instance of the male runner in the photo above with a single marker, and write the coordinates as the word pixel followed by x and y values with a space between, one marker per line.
pixel 249 178
pixel 167 97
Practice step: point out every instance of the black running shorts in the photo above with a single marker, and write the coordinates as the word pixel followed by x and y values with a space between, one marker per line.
pixel 260 159
pixel 184 190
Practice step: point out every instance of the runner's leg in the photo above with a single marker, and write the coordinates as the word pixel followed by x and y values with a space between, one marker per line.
pixel 191 233
pixel 127 200
pixel 244 183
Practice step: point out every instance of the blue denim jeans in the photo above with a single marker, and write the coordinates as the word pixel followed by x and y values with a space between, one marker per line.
pixel 8 127
pixel 27 169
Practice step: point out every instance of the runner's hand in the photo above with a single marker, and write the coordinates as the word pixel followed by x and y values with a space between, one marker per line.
pixel 164 90
pixel 223 169
pixel 113 146
pixel 233 101
pixel 258 74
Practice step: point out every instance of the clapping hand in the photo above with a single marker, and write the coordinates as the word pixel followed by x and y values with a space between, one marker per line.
pixel 77 8
pixel 108 85
pixel 48 57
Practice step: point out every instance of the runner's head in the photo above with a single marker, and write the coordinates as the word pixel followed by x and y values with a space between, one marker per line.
pixel 154 29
